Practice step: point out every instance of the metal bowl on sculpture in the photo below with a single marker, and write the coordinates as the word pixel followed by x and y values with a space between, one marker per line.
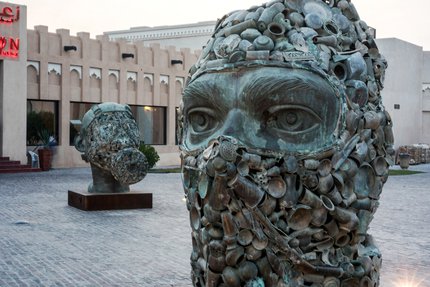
pixel 245 237
pixel 300 218
pixel 260 243
pixel 247 271
pixel 331 282
pixel 235 255
pixel 380 165
pixel 252 253
pixel 277 187
pixel 250 34
pixel 319 217
pixel 203 185
pixel 243 168
pixel 195 218
pixel 314 21
pixel 325 184
pixel 283 122
pixel 318 8
pixel 324 167
pixel 268 205
pixel 364 181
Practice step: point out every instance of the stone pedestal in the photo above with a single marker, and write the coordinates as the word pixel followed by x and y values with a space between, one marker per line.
pixel 109 201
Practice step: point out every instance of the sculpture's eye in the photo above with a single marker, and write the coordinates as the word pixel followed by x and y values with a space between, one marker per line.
pixel 293 119
pixel 201 120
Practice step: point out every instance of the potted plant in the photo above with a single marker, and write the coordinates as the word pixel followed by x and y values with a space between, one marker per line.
pixel 45 150
pixel 404 159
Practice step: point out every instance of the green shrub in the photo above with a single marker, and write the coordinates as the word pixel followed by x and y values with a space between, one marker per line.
pixel 150 153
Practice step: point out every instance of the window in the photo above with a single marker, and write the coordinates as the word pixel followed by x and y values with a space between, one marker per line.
pixel 152 123
pixel 150 120
pixel 41 116
pixel 77 112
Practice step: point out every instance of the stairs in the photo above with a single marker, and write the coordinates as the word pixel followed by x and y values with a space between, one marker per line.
pixel 15 166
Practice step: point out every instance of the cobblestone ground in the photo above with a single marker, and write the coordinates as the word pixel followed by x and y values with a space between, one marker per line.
pixel 402 229
pixel 44 242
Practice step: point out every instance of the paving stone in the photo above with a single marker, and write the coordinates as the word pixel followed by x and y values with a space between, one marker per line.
pixel 44 242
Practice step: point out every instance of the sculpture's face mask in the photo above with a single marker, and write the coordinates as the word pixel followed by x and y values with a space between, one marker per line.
pixel 281 180
pixel 111 143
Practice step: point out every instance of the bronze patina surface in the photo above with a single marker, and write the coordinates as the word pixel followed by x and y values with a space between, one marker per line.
pixel 285 147
pixel 109 141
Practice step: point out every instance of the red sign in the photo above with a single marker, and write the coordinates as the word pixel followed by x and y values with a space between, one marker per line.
pixel 9 30
pixel 9 47
pixel 9 15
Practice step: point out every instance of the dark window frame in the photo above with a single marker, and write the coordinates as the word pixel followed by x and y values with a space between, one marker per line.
pixel 164 134
pixel 57 116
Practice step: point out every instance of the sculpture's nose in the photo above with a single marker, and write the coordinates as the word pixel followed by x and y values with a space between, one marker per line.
pixel 129 166
pixel 233 126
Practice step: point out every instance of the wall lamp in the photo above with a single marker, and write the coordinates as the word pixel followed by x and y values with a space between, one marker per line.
pixel 127 55
pixel 174 62
pixel 68 48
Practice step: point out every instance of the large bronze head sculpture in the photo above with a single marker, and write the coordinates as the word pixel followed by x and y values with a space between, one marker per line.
pixel 109 141
pixel 285 148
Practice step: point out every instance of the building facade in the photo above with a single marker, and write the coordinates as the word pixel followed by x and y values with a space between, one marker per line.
pixel 192 36
pixel 68 74
pixel 13 88
pixel 406 92
pixel 55 78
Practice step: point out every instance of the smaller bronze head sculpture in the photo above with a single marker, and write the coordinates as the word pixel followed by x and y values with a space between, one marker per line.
pixel 109 141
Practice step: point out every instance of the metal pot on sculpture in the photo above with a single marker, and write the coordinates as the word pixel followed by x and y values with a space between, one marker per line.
pixel 292 149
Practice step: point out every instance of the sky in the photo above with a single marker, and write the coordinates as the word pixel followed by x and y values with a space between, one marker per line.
pixel 406 20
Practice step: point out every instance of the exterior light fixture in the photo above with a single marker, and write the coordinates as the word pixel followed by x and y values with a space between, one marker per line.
pixel 174 62
pixel 68 48
pixel 127 55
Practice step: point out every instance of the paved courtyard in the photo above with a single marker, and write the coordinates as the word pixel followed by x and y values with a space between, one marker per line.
pixel 44 242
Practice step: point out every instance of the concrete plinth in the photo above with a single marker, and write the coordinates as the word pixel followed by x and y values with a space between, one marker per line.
pixel 109 201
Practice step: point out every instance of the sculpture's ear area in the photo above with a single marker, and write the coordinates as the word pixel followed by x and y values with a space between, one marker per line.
pixel 79 143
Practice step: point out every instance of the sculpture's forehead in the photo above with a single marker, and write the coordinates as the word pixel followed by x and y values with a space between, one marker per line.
pixel 105 111
pixel 254 83
pixel 252 73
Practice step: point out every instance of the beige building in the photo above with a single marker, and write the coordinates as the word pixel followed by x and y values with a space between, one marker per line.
pixel 13 88
pixel 49 80
pixel 67 74
pixel 406 94
pixel 192 36
pixel 57 77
